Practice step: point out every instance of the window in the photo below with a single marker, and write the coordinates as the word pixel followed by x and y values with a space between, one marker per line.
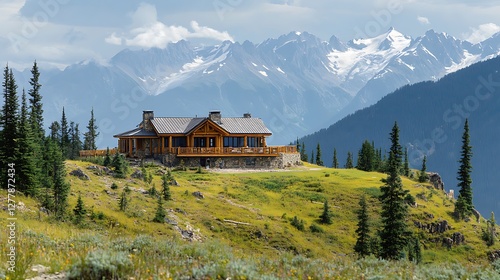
pixel 165 142
pixel 234 142
pixel 179 142
pixel 253 142
pixel 200 142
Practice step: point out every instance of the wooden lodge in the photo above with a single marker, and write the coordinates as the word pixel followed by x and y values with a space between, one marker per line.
pixel 199 138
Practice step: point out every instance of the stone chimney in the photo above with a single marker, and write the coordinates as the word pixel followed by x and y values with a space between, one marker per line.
pixel 247 115
pixel 147 116
pixel 215 116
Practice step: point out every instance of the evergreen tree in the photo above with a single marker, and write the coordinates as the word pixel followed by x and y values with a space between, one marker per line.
pixel 318 156
pixel 119 165
pixel 406 166
pixel 394 209
pixel 89 142
pixel 464 200
pixel 297 143
pixel 79 210
pixel 55 132
pixel 165 191
pixel 36 106
pixel 362 247
pixel 491 234
pixel 9 150
pixel 50 149
pixel 335 160
pixel 414 250
pixel 27 170
pixel 60 187
pixel 107 159
pixel 312 157
pixel 303 155
pixel 422 177
pixel 65 136
pixel 75 142
pixel 326 216
pixel 160 211
pixel 123 202
pixel 349 164
pixel 366 157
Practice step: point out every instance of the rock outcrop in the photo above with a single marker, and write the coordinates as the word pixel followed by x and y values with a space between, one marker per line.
pixel 437 227
pixel 436 180
pixel 80 174
pixel 494 255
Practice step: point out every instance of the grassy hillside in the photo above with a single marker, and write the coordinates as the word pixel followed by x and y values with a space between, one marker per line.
pixel 241 228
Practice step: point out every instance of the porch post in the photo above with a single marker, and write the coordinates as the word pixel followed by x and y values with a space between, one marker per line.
pixel 130 147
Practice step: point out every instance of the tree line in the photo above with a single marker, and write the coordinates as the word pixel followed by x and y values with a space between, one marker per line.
pixel 38 158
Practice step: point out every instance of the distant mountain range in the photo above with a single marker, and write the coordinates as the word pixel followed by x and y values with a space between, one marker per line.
pixel 431 116
pixel 296 83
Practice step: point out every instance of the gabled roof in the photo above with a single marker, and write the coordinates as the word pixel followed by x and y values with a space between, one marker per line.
pixel 244 125
pixel 232 125
pixel 136 132
pixel 175 125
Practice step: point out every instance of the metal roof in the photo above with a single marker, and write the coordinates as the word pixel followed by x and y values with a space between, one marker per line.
pixel 175 125
pixel 244 125
pixel 231 125
pixel 136 132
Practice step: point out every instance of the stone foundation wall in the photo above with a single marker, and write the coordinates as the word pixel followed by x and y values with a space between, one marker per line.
pixel 282 161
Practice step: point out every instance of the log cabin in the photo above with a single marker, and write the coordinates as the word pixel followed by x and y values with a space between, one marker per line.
pixel 212 141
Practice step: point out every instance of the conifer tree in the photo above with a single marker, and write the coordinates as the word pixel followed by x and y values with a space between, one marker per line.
pixel 491 233
pixel 312 157
pixel 27 170
pixel 55 132
pixel 89 142
pixel 297 143
pixel 394 209
pixel 119 165
pixel 160 211
pixel 165 191
pixel 107 158
pixel 406 165
pixel 79 210
pixel 335 163
pixel 65 137
pixel 349 164
pixel 422 177
pixel 60 187
pixel 9 150
pixel 366 157
pixel 75 142
pixel 123 202
pixel 36 106
pixel 464 205
pixel 319 161
pixel 362 247
pixel 326 216
pixel 303 154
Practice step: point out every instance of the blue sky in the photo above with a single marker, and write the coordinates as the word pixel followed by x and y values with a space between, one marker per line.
pixel 58 33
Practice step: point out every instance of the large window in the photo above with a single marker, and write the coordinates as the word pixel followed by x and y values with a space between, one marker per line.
pixel 200 142
pixel 165 142
pixel 253 141
pixel 234 142
pixel 179 142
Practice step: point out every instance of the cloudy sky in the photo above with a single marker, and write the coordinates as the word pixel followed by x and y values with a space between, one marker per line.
pixel 61 32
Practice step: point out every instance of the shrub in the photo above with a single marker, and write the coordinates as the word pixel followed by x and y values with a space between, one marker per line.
pixel 102 265
pixel 316 228
pixel 114 186
pixel 298 224
pixel 409 199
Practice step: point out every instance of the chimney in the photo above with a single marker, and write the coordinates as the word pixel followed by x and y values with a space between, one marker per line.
pixel 247 115
pixel 147 116
pixel 215 116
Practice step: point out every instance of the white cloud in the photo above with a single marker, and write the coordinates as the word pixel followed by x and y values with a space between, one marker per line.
pixel 148 32
pixel 482 32
pixel 423 20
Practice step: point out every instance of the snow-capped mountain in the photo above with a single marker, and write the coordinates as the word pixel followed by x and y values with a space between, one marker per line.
pixel 297 82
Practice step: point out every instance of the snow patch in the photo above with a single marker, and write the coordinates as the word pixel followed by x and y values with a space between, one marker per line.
pixel 263 73
pixel 279 70
pixel 254 64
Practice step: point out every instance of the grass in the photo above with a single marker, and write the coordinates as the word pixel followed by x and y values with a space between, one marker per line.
pixel 243 221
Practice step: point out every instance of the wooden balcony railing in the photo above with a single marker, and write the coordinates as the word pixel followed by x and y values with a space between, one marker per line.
pixel 270 150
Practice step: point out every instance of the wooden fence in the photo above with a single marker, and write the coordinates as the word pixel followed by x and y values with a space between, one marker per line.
pixel 97 153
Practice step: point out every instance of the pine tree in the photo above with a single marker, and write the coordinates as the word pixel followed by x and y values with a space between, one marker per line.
pixel 9 150
pixel 60 187
pixel 160 211
pixel 464 200
pixel 335 163
pixel 89 142
pixel 165 191
pixel 75 142
pixel 79 210
pixel 349 164
pixel 326 216
pixel 36 106
pixel 107 158
pixel 297 143
pixel 123 202
pixel 394 209
pixel 318 156
pixel 119 165
pixel 422 177
pixel 362 247
pixel 418 251
pixel 491 234
pixel 65 136
pixel 303 155
pixel 406 166
pixel 366 157
pixel 27 170
pixel 55 132
pixel 312 157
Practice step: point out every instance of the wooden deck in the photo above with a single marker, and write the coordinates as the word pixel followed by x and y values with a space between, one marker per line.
pixel 231 152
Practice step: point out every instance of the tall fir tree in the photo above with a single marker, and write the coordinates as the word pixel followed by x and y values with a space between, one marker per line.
pixel 362 246
pixel 366 157
pixel 75 142
pixel 297 145
pixel 422 177
pixel 349 164
pixel 312 157
pixel 165 191
pixel 335 163
pixel 464 205
pixel 319 161
pixel 303 154
pixel 26 162
pixel 79 211
pixel 406 165
pixel 326 216
pixel 60 188
pixel 36 106
pixel 160 211
pixel 9 149
pixel 55 132
pixel 394 209
pixel 65 136
pixel 107 158
pixel 491 232
pixel 90 137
